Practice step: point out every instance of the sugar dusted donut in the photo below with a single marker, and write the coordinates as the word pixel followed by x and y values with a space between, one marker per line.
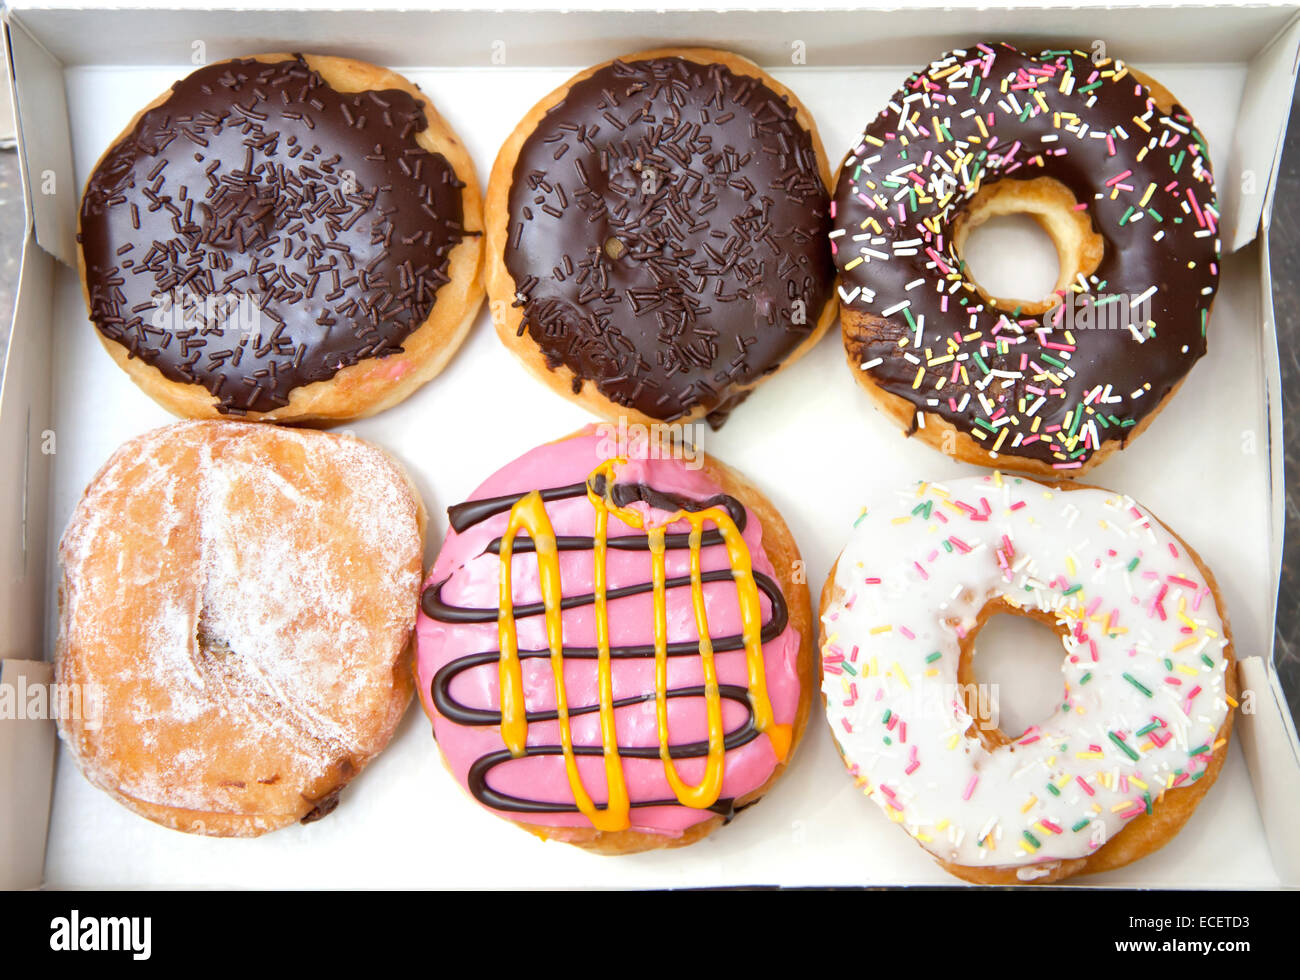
pixel 283 237
pixel 1117 174
pixel 1142 727
pixel 652 738
pixel 243 598
pixel 657 235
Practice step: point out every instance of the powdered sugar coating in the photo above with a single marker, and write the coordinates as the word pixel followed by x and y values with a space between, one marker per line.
pixel 244 597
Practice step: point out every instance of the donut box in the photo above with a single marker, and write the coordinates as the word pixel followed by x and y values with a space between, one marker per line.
pixel 808 438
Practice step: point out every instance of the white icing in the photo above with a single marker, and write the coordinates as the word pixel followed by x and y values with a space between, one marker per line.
pixel 905 571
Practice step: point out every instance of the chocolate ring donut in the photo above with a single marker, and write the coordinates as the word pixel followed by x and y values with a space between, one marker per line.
pixel 285 238
pixel 657 227
pixel 1116 172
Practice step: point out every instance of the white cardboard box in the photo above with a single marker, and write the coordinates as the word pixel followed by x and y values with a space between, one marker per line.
pixel 809 437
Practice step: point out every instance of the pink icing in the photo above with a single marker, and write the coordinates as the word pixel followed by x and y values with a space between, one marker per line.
pixel 474 581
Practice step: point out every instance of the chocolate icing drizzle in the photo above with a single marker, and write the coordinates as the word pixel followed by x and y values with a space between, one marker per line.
pixel 466 515
pixel 667 235
pixel 1144 177
pixel 259 231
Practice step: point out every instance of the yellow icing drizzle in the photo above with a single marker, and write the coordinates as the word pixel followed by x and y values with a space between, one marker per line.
pixel 529 514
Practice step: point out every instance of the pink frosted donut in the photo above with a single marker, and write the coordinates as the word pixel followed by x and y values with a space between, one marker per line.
pixel 725 742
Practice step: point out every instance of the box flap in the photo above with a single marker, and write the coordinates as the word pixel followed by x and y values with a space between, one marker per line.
pixel 8 130
pixel 1269 742
pixel 1273 410
pixel 44 142
pixel 1265 725
pixel 26 443
pixel 27 741
pixel 1261 134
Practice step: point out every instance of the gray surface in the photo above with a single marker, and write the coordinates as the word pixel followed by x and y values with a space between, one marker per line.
pixel 1285 247
pixel 1284 244
pixel 11 240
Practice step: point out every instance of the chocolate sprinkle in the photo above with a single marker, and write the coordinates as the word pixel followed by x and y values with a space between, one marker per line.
pixel 667 236
pixel 259 231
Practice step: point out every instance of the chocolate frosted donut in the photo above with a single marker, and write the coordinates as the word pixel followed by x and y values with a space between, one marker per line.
pixel 1116 172
pixel 284 237
pixel 657 227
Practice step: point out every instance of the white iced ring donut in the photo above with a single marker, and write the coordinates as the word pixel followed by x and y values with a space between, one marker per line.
pixel 1142 727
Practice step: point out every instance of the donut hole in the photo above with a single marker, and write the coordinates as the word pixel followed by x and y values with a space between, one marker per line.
pixel 1010 672
pixel 1012 255
pixel 1023 242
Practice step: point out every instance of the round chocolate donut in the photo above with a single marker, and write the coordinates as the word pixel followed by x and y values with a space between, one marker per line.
pixel 657 235
pixel 284 237
pixel 1117 174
